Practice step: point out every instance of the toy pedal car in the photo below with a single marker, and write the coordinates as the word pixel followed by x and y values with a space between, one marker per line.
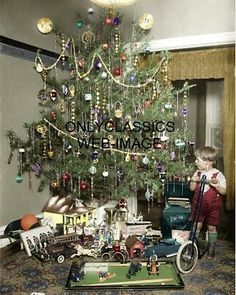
pixel 133 269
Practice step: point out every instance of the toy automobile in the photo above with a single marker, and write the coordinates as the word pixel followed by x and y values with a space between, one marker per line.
pixel 60 251
pixel 133 269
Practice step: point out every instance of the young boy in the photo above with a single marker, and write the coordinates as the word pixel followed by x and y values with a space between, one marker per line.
pixel 215 186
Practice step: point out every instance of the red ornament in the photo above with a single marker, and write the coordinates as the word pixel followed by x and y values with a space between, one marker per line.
pixel 147 103
pixel 66 176
pixel 53 115
pixel 108 21
pixel 117 71
pixel 123 57
pixel 81 63
pixel 83 186
pixel 28 220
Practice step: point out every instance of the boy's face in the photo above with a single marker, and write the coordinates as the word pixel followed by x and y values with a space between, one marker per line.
pixel 202 164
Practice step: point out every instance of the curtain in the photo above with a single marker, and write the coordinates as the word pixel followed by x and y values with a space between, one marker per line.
pixel 215 63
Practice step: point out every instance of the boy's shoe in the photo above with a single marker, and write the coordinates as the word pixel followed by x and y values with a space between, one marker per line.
pixel 211 251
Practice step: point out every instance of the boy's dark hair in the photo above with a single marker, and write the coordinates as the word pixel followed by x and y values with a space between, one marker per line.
pixel 206 153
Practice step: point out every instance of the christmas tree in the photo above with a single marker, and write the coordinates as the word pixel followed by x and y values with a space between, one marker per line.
pixel 114 125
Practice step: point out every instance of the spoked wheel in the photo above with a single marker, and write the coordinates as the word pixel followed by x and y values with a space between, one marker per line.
pixel 106 256
pixel 187 257
pixel 118 256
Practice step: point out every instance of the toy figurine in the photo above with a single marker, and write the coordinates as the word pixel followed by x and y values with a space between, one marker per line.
pixel 153 265
pixel 116 246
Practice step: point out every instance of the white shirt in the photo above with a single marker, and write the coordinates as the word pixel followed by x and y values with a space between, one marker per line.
pixel 220 177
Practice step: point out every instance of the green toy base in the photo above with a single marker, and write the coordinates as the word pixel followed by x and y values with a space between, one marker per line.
pixel 168 277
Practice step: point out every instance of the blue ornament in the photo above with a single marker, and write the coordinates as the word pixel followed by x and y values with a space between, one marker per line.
pixel 97 65
pixel 95 155
pixel 132 77
pixel 159 167
pixel 116 21
pixel 19 179
pixel 184 111
pixel 80 24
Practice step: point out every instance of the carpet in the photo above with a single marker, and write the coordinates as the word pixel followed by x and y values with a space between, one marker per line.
pixel 23 275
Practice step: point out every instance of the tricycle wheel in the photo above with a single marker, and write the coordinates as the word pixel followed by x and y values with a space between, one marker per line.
pixel 187 257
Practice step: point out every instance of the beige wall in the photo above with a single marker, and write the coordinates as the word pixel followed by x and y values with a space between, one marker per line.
pixel 19 104
pixel 20 83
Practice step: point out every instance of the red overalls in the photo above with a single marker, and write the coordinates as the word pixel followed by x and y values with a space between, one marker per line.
pixel 211 204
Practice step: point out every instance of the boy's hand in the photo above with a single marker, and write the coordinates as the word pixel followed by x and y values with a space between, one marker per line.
pixel 214 182
pixel 195 179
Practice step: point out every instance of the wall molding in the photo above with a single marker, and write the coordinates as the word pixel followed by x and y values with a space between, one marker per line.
pixel 194 41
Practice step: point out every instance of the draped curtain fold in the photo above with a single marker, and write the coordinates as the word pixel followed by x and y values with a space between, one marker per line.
pixel 215 63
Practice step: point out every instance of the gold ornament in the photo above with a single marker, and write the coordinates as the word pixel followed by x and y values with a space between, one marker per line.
pixel 146 21
pixel 41 129
pixel 88 37
pixel 44 25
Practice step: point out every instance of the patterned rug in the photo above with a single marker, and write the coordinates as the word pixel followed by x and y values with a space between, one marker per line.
pixel 22 275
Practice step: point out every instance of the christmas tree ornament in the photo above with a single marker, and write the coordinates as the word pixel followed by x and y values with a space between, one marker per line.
pixel 44 25
pixel 105 46
pixel 61 107
pixel 116 21
pixel 39 67
pixel 53 94
pixel 108 21
pixel 146 21
pixel 54 184
pixel 145 160
pixel 105 173
pixel 43 97
pixel 84 186
pixel 116 40
pixel 123 57
pixel 19 179
pixel 117 71
pixel 104 75
pixel 50 154
pixel 88 96
pixel 90 10
pixel 88 38
pixel 95 155
pixel 147 103
pixel 53 115
pixel 168 106
pixel 72 90
pixel 64 89
pixel 81 63
pixel 36 168
pixel 164 137
pixel 97 65
pixel 179 143
pixel 118 109
pixel 127 157
pixel 63 48
pixel 80 24
pixel 92 170
pixel 159 167
pixel 66 176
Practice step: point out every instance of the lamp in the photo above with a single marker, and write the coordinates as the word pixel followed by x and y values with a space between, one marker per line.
pixel 113 3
